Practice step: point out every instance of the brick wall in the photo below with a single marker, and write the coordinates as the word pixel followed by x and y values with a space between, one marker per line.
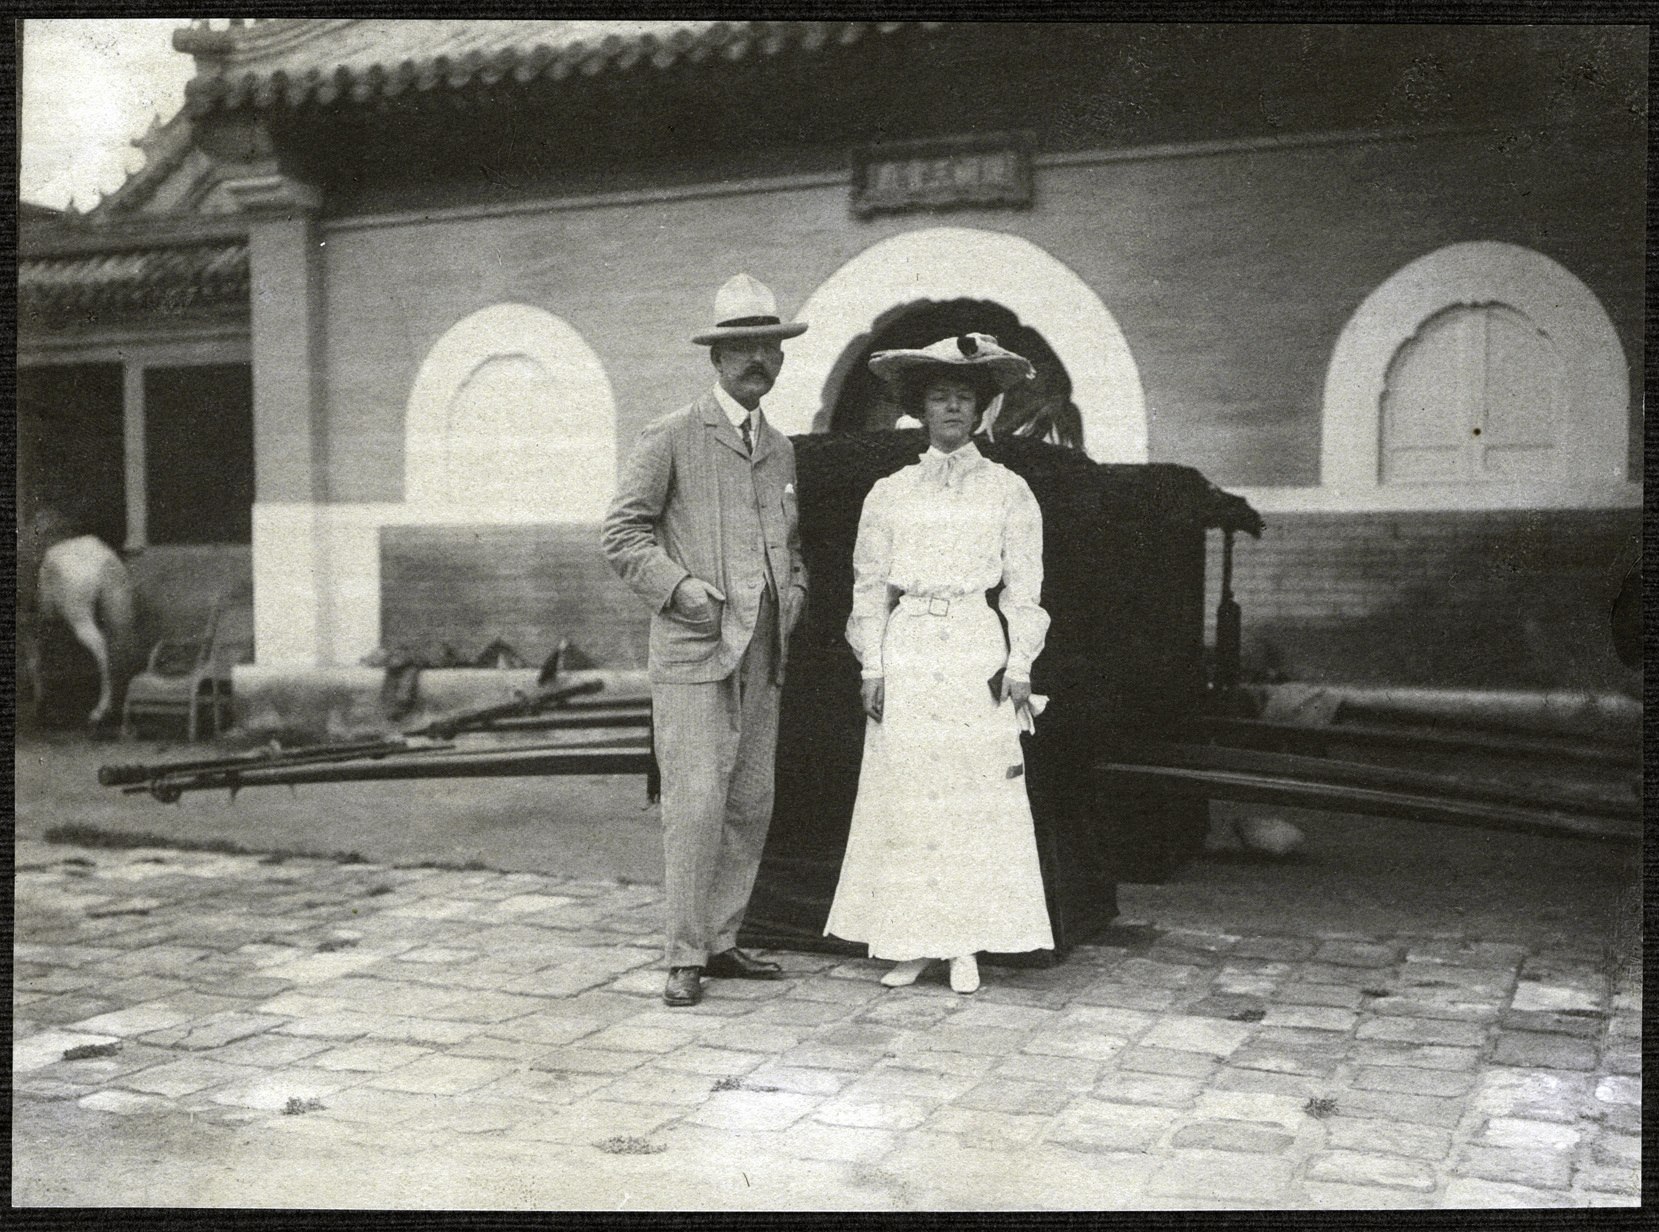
pixel 1512 599
pixel 526 585
pixel 1231 274
pixel 178 584
pixel 1503 600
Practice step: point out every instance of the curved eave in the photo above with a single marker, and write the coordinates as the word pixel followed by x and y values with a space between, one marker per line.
pixel 167 280
pixel 547 61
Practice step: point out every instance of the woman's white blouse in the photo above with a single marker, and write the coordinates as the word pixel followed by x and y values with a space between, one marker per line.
pixel 952 524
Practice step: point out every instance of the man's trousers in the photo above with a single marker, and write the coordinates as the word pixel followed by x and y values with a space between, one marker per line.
pixel 716 744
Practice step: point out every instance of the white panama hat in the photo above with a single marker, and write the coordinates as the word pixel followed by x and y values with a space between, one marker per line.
pixel 745 308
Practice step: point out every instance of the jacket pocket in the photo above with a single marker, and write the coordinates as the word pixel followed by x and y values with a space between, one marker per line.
pixel 676 640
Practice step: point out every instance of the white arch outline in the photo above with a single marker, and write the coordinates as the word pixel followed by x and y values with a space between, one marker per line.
pixel 573 479
pixel 1596 374
pixel 946 263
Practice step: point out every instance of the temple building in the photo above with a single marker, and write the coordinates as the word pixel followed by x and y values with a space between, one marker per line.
pixel 382 315
pixel 134 383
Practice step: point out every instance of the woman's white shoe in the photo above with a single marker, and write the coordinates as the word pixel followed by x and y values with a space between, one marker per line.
pixel 964 974
pixel 906 972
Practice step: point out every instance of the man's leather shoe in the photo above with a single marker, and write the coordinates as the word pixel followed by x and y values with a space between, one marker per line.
pixel 734 964
pixel 684 986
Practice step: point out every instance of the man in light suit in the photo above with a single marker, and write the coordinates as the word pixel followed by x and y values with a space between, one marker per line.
pixel 703 529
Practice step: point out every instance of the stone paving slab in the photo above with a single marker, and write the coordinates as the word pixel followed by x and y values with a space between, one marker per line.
pixel 517 1017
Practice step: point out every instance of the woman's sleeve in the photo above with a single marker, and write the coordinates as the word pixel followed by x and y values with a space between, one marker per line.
pixel 872 557
pixel 1022 580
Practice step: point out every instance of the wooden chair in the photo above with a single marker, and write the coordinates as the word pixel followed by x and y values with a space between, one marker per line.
pixel 192 677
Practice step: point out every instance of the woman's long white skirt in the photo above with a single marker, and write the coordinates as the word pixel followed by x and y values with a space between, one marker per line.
pixel 941 858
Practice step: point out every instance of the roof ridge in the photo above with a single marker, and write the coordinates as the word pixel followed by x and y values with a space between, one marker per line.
pixel 252 37
pixel 165 147
pixel 262 71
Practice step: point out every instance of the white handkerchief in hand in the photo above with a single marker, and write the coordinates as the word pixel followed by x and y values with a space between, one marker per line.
pixel 1028 713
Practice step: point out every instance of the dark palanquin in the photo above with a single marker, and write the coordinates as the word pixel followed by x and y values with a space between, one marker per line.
pixel 1123 556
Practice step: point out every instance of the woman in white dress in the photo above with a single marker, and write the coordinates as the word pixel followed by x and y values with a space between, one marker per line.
pixel 941 860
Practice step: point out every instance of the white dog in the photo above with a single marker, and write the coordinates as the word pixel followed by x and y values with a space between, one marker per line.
pixel 85 584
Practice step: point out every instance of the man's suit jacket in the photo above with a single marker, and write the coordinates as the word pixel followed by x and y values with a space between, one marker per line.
pixel 692 501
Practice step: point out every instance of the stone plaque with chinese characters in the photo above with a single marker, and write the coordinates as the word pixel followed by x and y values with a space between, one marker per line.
pixel 963 171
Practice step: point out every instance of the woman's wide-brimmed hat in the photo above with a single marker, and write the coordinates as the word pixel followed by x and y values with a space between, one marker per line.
pixel 744 308
pixel 978 354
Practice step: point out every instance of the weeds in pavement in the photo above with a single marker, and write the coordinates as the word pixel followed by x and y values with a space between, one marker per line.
pixel 87 1052
pixel 1320 1107
pixel 296 1105
pixel 336 943
pixel 1375 992
pixel 449 866
pixel 627 1144
pixel 77 834
pixel 740 1084
pixel 377 891
pixel 1248 1015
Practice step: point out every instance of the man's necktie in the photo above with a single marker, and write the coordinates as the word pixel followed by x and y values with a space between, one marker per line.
pixel 743 427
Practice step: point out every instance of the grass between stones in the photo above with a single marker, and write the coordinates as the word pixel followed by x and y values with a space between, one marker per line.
pixel 78 834
pixel 741 1084
pixel 88 1052
pixel 628 1144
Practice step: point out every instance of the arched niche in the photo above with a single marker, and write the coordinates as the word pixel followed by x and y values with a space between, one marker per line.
pixel 1040 407
pixel 511 412
pixel 1591 407
pixel 956 263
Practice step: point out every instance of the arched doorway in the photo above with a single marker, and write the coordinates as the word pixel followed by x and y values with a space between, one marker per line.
pixel 1493 371
pixel 945 264
pixel 861 402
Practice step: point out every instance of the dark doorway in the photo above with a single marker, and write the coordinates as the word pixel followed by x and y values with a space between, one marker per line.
pixel 862 403
pixel 71 450
pixel 198 447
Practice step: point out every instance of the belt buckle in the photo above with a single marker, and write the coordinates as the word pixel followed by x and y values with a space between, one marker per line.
pixel 938 607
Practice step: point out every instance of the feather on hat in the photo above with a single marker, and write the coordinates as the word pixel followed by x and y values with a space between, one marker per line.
pixel 978 353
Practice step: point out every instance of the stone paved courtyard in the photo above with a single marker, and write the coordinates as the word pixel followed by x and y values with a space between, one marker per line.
pixel 300 1032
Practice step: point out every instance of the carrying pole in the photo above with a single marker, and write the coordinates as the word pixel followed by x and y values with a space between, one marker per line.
pixel 1229 622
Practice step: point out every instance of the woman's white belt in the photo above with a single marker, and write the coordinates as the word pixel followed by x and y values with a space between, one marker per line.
pixel 939 605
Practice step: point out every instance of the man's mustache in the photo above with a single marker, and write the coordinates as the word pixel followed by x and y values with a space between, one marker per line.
pixel 757 370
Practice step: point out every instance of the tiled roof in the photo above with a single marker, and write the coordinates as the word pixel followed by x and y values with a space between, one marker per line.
pixel 165 148
pixel 290 62
pixel 166 279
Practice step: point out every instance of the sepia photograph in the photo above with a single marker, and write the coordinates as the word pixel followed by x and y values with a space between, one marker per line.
pixel 782 616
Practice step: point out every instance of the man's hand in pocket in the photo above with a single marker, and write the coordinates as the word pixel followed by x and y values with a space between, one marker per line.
pixel 693 600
